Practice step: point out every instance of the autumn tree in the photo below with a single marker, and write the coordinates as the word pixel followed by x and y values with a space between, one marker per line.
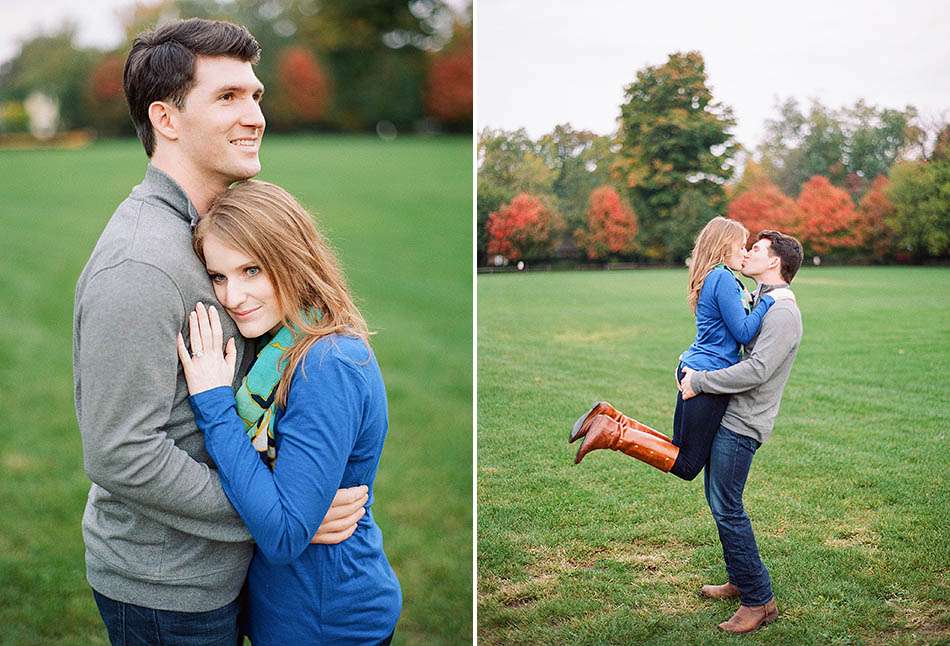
pixel 304 88
pixel 764 206
pixel 875 211
pixel 525 228
pixel 920 193
pixel 508 164
pixel 449 82
pixel 107 110
pixel 674 137
pixel 753 174
pixel 611 226
pixel 828 217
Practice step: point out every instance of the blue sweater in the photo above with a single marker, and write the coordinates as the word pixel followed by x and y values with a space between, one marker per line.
pixel 722 324
pixel 330 436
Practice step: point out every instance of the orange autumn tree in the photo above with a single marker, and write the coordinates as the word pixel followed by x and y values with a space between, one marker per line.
pixel 448 95
pixel 764 206
pixel 304 86
pixel 611 225
pixel 526 227
pixel 828 217
pixel 105 104
pixel 873 230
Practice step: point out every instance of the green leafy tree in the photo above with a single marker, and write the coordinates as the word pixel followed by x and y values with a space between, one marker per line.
pixel 686 220
pixel 920 193
pixel 798 146
pixel 375 51
pixel 850 146
pixel 54 65
pixel 580 161
pixel 877 138
pixel 674 139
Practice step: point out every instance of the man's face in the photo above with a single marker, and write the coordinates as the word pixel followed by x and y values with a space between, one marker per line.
pixel 758 260
pixel 221 124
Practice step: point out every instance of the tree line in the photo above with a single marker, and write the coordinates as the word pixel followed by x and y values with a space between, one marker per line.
pixel 858 183
pixel 329 65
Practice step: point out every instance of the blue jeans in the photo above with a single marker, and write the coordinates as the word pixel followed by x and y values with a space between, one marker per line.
pixel 131 625
pixel 729 461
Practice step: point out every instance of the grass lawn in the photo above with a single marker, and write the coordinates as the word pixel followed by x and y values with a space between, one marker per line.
pixel 850 498
pixel 400 215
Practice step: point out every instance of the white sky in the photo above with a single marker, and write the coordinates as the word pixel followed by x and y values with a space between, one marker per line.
pixel 19 19
pixel 540 63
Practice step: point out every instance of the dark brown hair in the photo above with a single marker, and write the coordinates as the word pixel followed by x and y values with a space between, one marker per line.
pixel 788 250
pixel 161 64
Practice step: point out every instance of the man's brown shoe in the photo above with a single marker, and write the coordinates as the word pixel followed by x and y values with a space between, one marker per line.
pixel 749 618
pixel 724 591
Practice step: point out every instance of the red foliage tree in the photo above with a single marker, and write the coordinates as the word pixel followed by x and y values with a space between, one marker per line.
pixel 304 84
pixel 526 227
pixel 873 231
pixel 448 95
pixel 104 99
pixel 611 225
pixel 765 206
pixel 828 217
pixel 105 81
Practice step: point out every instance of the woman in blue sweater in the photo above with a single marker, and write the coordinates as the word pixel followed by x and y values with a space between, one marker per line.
pixel 309 418
pixel 723 324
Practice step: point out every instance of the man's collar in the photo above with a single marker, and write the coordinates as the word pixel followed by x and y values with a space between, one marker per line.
pixel 157 183
pixel 762 288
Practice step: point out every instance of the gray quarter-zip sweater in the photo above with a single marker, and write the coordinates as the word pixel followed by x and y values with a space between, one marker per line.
pixel 757 381
pixel 158 529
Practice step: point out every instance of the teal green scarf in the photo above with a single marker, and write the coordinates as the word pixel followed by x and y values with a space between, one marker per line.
pixel 255 397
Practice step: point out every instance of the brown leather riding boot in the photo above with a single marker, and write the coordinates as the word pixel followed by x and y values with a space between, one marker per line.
pixel 582 425
pixel 749 618
pixel 724 591
pixel 606 433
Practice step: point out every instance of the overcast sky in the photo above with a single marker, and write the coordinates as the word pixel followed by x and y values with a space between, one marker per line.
pixel 540 63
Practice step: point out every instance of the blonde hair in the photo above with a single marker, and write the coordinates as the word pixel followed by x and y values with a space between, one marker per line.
pixel 265 222
pixel 713 245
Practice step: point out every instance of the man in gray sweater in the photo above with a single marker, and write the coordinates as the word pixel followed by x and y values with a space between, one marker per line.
pixel 756 384
pixel 166 554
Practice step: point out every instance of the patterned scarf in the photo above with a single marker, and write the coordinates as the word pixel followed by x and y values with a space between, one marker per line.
pixel 255 397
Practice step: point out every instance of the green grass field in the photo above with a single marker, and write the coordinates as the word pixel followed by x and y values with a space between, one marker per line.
pixel 400 215
pixel 850 498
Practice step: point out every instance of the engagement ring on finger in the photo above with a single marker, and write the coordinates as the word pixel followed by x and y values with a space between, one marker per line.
pixel 197 354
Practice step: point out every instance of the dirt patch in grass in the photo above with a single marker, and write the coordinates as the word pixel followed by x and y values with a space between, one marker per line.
pixel 855 530
pixel 602 335
pixel 18 463
pixel 918 619
pixel 648 564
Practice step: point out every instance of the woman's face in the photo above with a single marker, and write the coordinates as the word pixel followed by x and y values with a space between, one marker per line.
pixel 242 288
pixel 735 255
